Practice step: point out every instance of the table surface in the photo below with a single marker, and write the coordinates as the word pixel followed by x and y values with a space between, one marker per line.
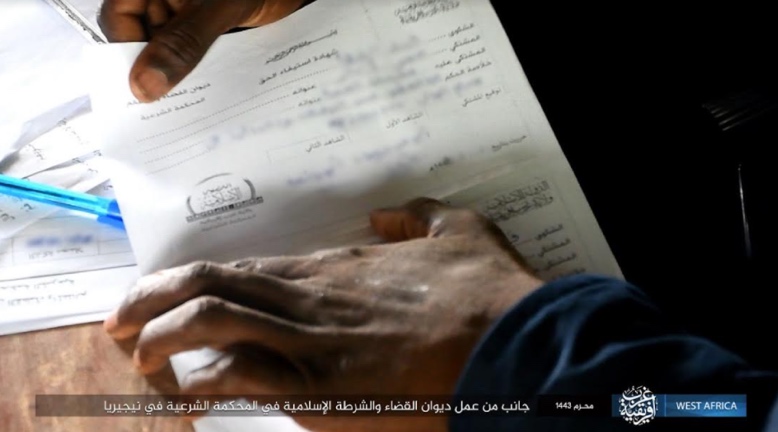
pixel 75 360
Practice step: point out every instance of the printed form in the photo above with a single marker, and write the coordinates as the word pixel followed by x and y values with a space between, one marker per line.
pixel 55 301
pixel 286 136
pixel 64 242
pixel 38 239
pixel 59 267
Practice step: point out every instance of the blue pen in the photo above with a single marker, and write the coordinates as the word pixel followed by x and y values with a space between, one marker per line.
pixel 106 210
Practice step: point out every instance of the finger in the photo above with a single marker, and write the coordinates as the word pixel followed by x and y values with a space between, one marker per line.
pixel 157 14
pixel 211 322
pixel 163 291
pixel 122 20
pixel 178 47
pixel 250 371
pixel 425 217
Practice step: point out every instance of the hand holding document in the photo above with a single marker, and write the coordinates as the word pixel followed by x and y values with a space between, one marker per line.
pixel 168 57
pixel 361 320
pixel 315 121
pixel 285 137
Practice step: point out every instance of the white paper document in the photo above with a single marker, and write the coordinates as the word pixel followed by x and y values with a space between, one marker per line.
pixel 40 240
pixel 52 301
pixel 65 242
pixel 285 137
pixel 41 72
pixel 80 175
pixel 70 139
pixel 82 14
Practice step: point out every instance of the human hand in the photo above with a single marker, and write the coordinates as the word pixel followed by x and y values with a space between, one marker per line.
pixel 394 319
pixel 179 33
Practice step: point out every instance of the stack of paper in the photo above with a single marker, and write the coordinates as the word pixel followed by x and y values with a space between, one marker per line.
pixel 42 79
pixel 56 267
pixel 59 267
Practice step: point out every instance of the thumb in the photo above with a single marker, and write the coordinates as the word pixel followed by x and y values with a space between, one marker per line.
pixel 175 50
pixel 426 217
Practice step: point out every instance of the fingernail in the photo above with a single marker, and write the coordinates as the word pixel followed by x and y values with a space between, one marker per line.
pixel 150 85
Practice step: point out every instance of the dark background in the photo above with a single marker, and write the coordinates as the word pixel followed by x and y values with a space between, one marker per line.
pixel 626 92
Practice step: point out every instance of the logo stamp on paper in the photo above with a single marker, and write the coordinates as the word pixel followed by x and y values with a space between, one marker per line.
pixel 638 405
pixel 221 194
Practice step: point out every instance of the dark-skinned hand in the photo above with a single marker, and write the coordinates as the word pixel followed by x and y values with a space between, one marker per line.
pixel 179 33
pixel 399 318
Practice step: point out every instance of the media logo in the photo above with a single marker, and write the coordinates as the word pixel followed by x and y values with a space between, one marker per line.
pixel 638 405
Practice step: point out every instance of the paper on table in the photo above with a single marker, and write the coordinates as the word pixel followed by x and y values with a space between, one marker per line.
pixel 65 242
pixel 82 14
pixel 81 175
pixel 41 73
pixel 52 301
pixel 300 128
pixel 70 139
pixel 54 322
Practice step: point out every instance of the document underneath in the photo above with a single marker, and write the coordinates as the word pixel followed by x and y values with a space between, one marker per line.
pixel 80 175
pixel 82 14
pixel 62 243
pixel 38 239
pixel 286 136
pixel 61 300
pixel 41 73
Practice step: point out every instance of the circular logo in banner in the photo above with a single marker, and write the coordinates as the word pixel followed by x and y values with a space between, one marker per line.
pixel 637 405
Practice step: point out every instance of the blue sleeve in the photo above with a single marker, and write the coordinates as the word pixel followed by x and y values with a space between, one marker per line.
pixel 591 335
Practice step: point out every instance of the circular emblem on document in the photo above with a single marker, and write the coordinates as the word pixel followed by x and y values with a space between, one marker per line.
pixel 220 194
pixel 637 405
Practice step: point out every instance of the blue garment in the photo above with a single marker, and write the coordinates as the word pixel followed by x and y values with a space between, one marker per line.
pixel 592 335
